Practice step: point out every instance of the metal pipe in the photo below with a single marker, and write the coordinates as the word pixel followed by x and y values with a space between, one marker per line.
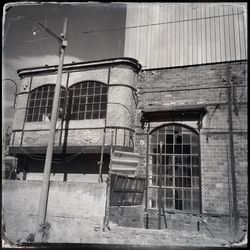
pixel 147 176
pixel 104 136
pixel 39 236
pixel 160 189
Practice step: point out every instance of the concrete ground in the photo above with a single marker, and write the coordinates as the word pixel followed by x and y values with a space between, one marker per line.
pixel 154 237
pixel 126 238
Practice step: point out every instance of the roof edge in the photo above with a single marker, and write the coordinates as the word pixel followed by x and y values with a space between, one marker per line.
pixel 71 66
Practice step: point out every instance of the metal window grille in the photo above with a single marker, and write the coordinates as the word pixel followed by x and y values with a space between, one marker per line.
pixel 180 169
pixel 126 191
pixel 89 100
pixel 41 102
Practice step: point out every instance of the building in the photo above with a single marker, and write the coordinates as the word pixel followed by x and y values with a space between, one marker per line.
pixel 188 116
pixel 97 98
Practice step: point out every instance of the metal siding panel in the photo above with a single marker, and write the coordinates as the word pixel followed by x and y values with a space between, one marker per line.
pixel 190 37
pixel 237 37
pixel 157 48
pixel 213 35
pixel 242 29
pixel 208 36
pixel 185 37
pixel 217 35
pixel 179 39
pixel 203 42
pixel 226 33
pixel 199 37
pixel 177 42
pixel 222 42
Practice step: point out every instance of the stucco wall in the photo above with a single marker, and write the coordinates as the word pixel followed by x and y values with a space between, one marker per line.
pixel 120 109
pixel 75 210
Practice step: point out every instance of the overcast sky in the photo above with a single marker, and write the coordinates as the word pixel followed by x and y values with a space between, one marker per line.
pixel 22 49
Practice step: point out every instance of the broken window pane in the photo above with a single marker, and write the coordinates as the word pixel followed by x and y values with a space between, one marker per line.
pixel 177 151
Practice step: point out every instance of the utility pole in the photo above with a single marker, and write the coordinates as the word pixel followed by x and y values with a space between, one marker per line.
pixel 39 236
pixel 232 158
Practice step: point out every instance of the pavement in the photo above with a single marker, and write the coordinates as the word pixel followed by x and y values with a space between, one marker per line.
pixel 118 237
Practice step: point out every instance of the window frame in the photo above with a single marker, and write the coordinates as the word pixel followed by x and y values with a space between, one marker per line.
pixel 154 188
pixel 44 102
pixel 93 109
pixel 95 104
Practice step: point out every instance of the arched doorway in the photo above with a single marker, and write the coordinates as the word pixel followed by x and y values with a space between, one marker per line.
pixel 180 171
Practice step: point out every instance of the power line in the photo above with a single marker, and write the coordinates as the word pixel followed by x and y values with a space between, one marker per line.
pixel 130 27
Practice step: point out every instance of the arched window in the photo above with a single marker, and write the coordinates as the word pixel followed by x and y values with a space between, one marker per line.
pixel 88 100
pixel 180 171
pixel 40 103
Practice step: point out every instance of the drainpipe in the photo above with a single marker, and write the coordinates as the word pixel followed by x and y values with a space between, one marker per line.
pixel 232 158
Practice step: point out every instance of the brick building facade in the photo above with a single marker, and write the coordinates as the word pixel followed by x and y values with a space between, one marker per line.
pixel 179 113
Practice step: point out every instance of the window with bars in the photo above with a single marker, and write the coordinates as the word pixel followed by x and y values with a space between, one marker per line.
pixel 180 170
pixel 41 102
pixel 89 100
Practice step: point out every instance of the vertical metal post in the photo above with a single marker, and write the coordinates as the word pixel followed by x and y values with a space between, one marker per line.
pixel 160 189
pixel 147 176
pixel 232 158
pixel 47 167
pixel 104 136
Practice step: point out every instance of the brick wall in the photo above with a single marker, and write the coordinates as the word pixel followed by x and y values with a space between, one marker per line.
pixel 215 157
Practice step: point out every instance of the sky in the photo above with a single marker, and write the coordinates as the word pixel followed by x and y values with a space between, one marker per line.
pixel 22 49
pixel 169 43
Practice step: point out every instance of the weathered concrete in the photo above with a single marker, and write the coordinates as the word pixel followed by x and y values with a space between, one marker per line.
pixel 75 210
pixel 120 108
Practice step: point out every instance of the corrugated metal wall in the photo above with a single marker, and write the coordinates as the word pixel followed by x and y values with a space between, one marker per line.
pixel 168 34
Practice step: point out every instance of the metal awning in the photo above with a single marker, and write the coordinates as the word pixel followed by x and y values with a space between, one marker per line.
pixel 173 113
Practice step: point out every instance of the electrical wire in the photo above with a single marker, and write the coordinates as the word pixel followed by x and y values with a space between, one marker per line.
pixel 64 160
pixel 129 27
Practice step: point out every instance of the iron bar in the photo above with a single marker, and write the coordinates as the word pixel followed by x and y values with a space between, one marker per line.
pixel 104 136
pixel 160 188
pixel 147 176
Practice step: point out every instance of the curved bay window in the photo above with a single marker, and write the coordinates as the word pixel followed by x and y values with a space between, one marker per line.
pixel 40 103
pixel 180 170
pixel 88 100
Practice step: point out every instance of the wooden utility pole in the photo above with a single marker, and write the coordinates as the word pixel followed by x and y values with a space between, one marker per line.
pixel 39 236
pixel 232 158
